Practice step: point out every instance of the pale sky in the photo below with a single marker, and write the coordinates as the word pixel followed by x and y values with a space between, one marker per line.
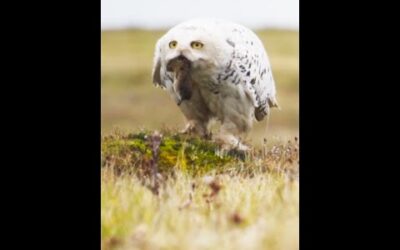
pixel 155 14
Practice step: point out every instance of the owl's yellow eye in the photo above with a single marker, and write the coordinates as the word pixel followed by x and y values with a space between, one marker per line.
pixel 173 44
pixel 196 45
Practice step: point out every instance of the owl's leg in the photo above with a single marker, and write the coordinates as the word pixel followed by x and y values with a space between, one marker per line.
pixel 196 114
pixel 196 127
pixel 228 137
pixel 229 142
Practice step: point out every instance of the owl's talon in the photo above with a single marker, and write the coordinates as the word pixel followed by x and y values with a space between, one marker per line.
pixel 230 144
pixel 192 129
pixel 239 151
pixel 187 131
pixel 243 147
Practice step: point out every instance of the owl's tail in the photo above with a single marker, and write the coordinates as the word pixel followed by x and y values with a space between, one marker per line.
pixel 267 122
pixel 273 103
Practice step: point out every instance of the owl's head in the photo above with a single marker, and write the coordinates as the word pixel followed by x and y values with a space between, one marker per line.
pixel 196 45
pixel 202 48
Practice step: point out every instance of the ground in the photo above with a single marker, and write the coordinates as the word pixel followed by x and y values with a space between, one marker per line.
pixel 169 191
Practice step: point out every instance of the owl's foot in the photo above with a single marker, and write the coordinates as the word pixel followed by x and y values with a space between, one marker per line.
pixel 189 129
pixel 231 143
pixel 232 146
pixel 195 129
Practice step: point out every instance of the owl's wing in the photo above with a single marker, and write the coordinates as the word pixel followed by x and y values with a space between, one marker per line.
pixel 249 65
pixel 156 71
pixel 160 75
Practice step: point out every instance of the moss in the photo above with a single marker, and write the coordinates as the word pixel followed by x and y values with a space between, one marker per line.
pixel 190 154
pixel 132 152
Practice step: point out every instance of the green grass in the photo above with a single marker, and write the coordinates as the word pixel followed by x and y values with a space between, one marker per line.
pixel 198 198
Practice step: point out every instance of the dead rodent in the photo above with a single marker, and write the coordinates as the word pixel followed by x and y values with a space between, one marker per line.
pixel 182 81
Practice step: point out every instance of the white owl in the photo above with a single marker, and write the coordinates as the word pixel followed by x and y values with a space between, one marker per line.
pixel 214 69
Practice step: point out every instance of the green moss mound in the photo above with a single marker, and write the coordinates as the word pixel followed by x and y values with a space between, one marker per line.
pixel 175 151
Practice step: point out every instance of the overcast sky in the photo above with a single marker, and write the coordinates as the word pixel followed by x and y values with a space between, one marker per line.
pixel 165 13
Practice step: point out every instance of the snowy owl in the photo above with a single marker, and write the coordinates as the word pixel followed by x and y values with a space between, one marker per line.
pixel 216 70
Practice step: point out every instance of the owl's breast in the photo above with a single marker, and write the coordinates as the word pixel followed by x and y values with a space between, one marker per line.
pixel 221 99
pixel 206 78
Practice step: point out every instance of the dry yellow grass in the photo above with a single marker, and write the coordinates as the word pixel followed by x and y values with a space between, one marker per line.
pixel 248 213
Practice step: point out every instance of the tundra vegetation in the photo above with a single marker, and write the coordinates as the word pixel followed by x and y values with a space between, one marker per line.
pixel 164 190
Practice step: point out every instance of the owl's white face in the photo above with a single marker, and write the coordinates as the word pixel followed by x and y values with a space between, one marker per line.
pixel 199 49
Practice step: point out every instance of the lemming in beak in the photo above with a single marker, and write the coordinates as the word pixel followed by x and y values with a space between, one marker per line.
pixel 181 66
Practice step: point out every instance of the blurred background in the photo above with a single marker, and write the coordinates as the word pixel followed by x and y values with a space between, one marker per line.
pixel 130 29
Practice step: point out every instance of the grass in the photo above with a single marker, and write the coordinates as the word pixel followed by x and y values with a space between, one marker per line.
pixel 180 192
pixel 215 202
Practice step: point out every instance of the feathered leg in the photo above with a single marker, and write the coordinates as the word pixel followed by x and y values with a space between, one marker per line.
pixel 228 137
pixel 196 127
